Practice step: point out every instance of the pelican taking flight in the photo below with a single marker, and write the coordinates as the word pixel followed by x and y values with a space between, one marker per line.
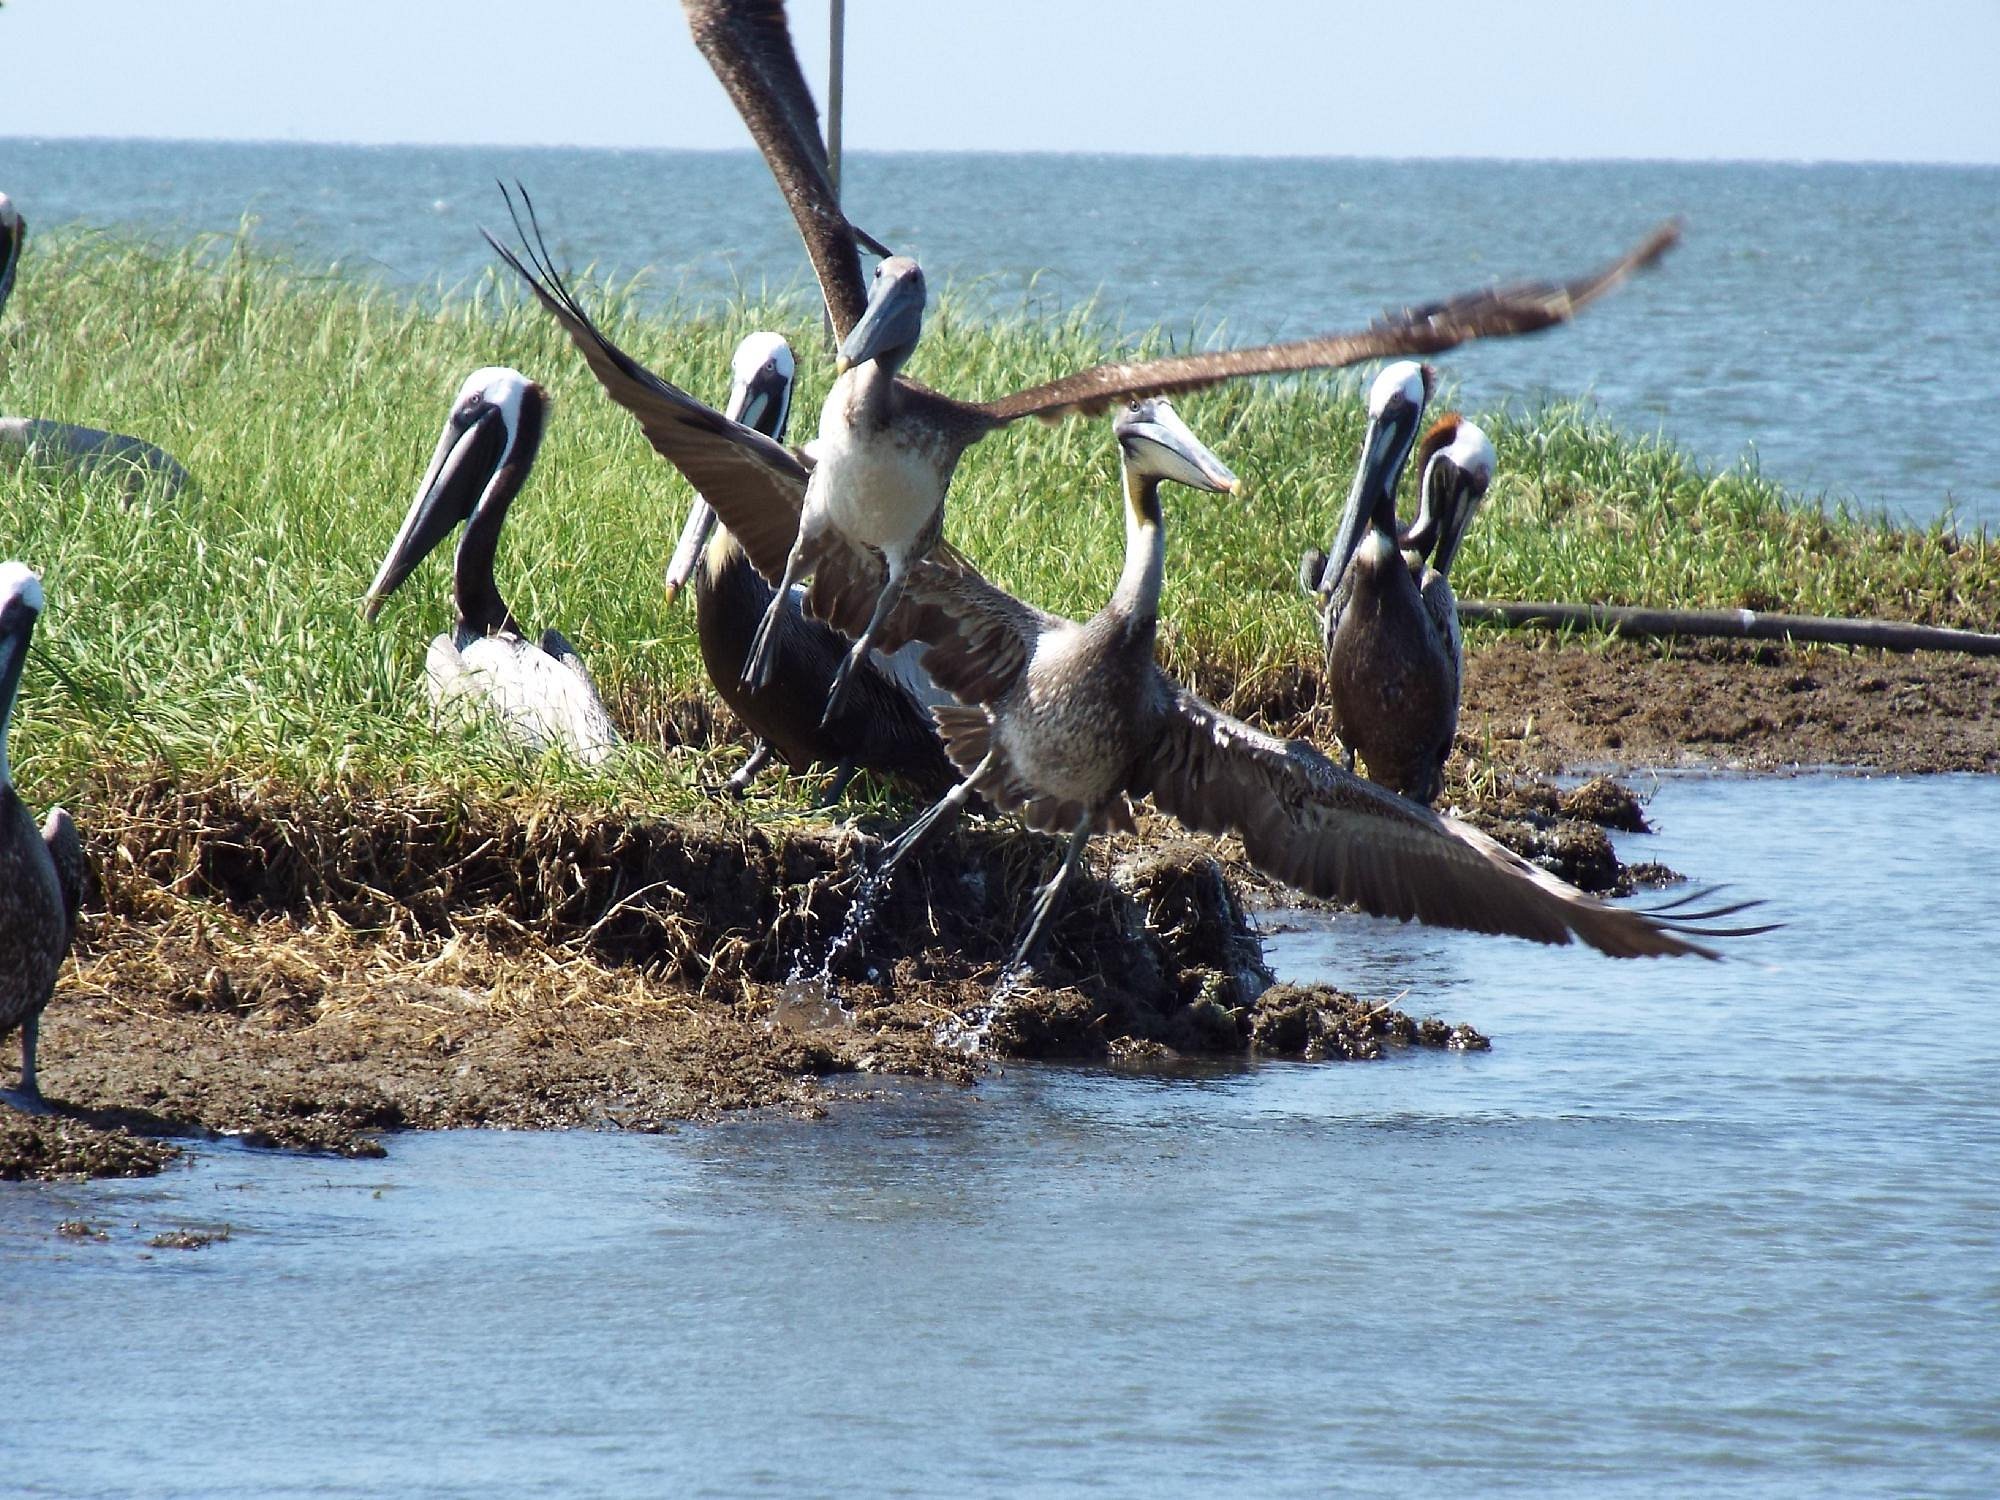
pixel 1064 722
pixel 887 447
pixel 898 442
pixel 41 872
pixel 84 449
pixel 539 692
pixel 1394 655
pixel 886 725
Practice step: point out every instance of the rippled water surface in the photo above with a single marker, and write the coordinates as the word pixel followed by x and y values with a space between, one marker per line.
pixel 1831 322
pixel 1720 1229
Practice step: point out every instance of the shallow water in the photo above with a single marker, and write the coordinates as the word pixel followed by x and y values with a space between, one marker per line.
pixel 1722 1228
pixel 1829 321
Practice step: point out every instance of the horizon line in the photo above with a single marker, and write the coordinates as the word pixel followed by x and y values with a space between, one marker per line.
pixel 1106 152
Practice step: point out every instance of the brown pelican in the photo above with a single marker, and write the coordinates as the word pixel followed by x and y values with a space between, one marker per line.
pixel 886 725
pixel 872 486
pixel 539 691
pixel 888 447
pixel 1063 722
pixel 84 449
pixel 41 873
pixel 1393 651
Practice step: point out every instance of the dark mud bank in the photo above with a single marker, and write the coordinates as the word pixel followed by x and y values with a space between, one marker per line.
pixel 314 970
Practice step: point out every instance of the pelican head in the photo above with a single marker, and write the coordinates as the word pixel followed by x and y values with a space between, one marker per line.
pixel 892 321
pixel 489 440
pixel 760 396
pixel 760 385
pixel 1157 445
pixel 1457 467
pixel 13 230
pixel 20 607
pixel 1395 408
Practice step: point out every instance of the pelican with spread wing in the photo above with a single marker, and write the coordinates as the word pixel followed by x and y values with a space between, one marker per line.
pixel 885 726
pixel 888 447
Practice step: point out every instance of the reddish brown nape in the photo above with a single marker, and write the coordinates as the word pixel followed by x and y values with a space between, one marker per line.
pixel 1440 436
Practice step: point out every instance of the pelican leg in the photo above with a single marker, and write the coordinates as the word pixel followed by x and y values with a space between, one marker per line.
pixel 863 911
pixel 28 1097
pixel 837 787
pixel 1045 901
pixel 912 836
pixel 892 590
pixel 760 757
pixel 763 657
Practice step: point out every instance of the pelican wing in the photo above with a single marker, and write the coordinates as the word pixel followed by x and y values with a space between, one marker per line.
pixel 1315 826
pixel 756 485
pixel 749 45
pixel 978 638
pixel 65 848
pixel 1494 313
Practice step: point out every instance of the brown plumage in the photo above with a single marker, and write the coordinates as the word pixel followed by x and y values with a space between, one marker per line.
pixel 1394 655
pixel 41 870
pixel 759 486
pixel 885 726
pixel 888 447
pixel 1064 722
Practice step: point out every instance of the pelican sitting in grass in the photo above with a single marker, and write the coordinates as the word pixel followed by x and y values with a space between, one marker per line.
pixel 86 450
pixel 886 725
pixel 41 872
pixel 539 692
pixel 1064 722
pixel 1394 655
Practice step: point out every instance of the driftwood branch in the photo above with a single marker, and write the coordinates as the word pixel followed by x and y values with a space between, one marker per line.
pixel 1736 624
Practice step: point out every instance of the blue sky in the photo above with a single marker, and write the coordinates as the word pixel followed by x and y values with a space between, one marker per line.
pixel 1839 80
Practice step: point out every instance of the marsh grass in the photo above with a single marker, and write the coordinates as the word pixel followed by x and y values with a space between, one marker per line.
pixel 217 632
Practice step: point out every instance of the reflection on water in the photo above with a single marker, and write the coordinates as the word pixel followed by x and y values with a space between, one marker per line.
pixel 1727 1228
pixel 1832 319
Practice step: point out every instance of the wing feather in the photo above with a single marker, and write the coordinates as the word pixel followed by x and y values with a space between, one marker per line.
pixel 1416 331
pixel 756 485
pixel 749 45
pixel 1315 826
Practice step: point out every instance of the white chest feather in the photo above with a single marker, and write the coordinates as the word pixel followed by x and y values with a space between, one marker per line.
pixel 872 483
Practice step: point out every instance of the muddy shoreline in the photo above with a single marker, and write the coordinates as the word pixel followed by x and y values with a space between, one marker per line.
pixel 314 973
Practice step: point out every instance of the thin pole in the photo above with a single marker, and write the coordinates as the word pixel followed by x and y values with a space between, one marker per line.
pixel 837 18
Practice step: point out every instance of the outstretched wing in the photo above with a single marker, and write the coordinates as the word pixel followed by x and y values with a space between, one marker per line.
pixel 1326 831
pixel 755 484
pixel 1416 331
pixel 749 45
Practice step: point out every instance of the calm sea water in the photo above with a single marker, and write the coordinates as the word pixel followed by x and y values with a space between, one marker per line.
pixel 1832 323
pixel 1718 1229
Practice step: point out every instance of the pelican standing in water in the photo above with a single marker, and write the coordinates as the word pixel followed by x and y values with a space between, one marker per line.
pixel 888 447
pixel 1064 722
pixel 85 449
pixel 1394 654
pixel 886 725
pixel 540 692
pixel 41 871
